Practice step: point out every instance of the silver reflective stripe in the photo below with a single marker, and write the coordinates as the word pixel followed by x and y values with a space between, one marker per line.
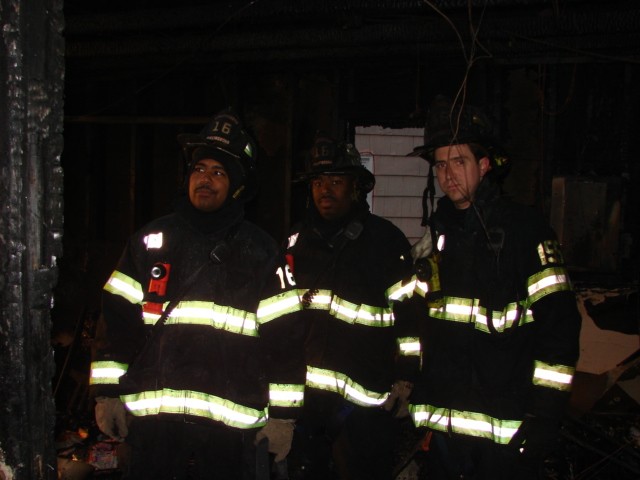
pixel 422 288
pixel 505 319
pixel 361 314
pixel 409 346
pixel 150 318
pixel 106 373
pixel 456 310
pixel 285 395
pixel 400 291
pixel 320 301
pixel 467 423
pixel 186 402
pixel 548 281
pixel 340 383
pixel 125 286
pixel 465 310
pixel 279 305
pixel 553 376
pixel 351 312
pixel 217 316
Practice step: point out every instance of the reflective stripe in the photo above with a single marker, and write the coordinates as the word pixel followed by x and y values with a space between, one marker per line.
pixel 409 346
pixel 106 373
pixel 456 310
pixel 153 240
pixel 125 286
pixel 361 314
pixel 505 319
pixel 465 310
pixel 350 312
pixel 340 383
pixel 150 318
pixel 320 301
pixel 553 376
pixel 281 304
pixel 466 423
pixel 548 281
pixel 421 288
pixel 186 402
pixel 285 395
pixel 217 316
pixel 400 291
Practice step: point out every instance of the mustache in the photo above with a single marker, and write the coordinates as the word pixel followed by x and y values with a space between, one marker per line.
pixel 330 197
pixel 204 187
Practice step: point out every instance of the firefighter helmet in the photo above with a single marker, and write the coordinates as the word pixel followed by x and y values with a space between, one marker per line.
pixel 329 157
pixel 224 139
pixel 449 124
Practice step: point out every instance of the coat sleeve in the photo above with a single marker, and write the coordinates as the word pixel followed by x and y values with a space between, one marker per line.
pixel 557 321
pixel 405 305
pixel 120 330
pixel 281 333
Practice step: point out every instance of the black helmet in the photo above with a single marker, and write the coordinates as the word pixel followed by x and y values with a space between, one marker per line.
pixel 449 124
pixel 328 157
pixel 225 140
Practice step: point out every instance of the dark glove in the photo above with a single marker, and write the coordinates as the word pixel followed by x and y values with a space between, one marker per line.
pixel 398 399
pixel 280 435
pixel 536 437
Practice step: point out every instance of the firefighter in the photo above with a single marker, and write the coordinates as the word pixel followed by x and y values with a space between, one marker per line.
pixel 349 266
pixel 197 334
pixel 499 343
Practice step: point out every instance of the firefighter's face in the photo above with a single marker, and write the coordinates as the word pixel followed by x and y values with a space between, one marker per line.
pixel 459 173
pixel 208 185
pixel 333 195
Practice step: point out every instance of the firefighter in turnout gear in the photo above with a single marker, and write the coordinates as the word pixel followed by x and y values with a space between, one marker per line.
pixel 349 266
pixel 499 343
pixel 198 330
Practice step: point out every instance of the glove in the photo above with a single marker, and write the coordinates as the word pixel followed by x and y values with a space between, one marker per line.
pixel 279 433
pixel 111 417
pixel 536 437
pixel 399 399
pixel 423 247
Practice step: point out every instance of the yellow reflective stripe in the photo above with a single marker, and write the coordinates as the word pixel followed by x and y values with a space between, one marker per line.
pixel 351 312
pixel 409 346
pixel 125 286
pixel 208 313
pixel 553 376
pixel 150 318
pixel 503 320
pixel 548 281
pixel 466 423
pixel 320 301
pixel 106 372
pixel 361 314
pixel 286 395
pixel 456 309
pixel 465 310
pixel 419 288
pixel 400 291
pixel 186 402
pixel 278 305
pixel 343 385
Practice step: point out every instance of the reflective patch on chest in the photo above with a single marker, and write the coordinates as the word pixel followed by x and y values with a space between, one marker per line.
pixel 549 252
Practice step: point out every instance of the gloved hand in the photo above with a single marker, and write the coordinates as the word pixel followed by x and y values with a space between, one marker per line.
pixel 111 417
pixel 399 398
pixel 423 247
pixel 536 437
pixel 279 433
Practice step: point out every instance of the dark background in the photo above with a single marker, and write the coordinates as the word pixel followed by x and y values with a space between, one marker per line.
pixel 560 78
